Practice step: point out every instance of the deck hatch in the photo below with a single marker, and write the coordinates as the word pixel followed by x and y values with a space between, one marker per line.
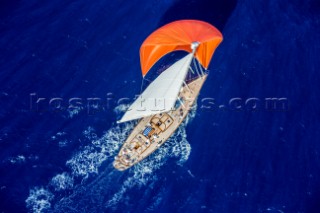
pixel 147 131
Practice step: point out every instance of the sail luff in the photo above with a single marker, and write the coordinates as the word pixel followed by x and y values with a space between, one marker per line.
pixel 162 93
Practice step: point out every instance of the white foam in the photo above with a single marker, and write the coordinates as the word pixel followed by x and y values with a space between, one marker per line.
pixel 62 182
pixel 156 201
pixel 63 143
pixel 92 156
pixel 190 173
pixel 121 108
pixel 74 111
pixel 89 133
pixel 39 200
pixel 61 133
pixel 117 196
pixel 86 162
pixel 17 160
pixel 60 137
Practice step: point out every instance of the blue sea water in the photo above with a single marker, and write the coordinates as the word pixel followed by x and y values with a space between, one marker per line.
pixel 59 159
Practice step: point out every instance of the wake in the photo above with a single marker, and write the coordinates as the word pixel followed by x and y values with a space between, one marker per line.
pixel 92 184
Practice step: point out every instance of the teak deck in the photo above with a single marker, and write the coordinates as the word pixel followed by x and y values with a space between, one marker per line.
pixel 152 131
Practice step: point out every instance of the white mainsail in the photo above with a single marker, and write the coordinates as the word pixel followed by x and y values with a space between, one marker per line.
pixel 162 93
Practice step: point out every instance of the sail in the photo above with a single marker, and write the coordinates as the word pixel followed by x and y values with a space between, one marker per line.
pixel 179 35
pixel 162 93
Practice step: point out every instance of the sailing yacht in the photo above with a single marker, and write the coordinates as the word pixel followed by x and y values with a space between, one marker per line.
pixel 165 103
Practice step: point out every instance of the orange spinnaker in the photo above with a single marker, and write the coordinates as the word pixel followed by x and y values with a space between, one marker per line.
pixel 179 35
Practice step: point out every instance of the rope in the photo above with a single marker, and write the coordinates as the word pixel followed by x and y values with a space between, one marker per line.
pixel 201 70
pixel 141 85
pixel 195 65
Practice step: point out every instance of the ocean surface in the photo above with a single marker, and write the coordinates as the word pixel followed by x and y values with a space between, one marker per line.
pixel 64 66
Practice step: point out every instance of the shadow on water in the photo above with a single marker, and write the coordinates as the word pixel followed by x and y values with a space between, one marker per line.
pixel 215 12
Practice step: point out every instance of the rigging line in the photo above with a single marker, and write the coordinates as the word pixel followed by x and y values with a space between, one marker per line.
pixel 189 73
pixel 200 67
pixel 141 84
pixel 148 80
pixel 195 65
pixel 193 72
